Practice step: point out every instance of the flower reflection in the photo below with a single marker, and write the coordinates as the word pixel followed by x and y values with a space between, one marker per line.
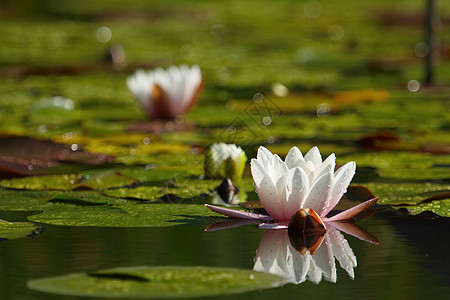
pixel 279 253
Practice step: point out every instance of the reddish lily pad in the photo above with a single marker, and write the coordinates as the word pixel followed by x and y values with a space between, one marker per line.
pixel 21 156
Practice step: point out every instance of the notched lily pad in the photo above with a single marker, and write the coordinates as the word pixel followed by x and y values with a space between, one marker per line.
pixel 15 230
pixel 127 215
pixel 157 282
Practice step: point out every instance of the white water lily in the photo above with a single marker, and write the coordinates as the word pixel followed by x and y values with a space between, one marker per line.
pixel 284 187
pixel 225 160
pixel 276 255
pixel 166 93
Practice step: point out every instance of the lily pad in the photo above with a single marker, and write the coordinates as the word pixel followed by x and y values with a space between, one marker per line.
pixel 29 156
pixel 157 282
pixel 440 207
pixel 24 200
pixel 41 200
pixel 128 215
pixel 150 193
pixel 49 182
pixel 405 193
pixel 107 180
pixel 405 165
pixel 67 182
pixel 15 230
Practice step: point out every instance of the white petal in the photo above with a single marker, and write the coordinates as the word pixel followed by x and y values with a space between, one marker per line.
pixel 319 194
pixel 324 260
pixel 328 165
pixel 279 168
pixel 295 191
pixel 266 190
pixel 310 170
pixel 259 173
pixel 294 158
pixel 264 156
pixel 340 182
pixel 266 259
pixel 342 251
pixel 300 264
pixel 314 156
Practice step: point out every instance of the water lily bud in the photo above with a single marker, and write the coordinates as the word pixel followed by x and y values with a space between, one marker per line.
pixel 306 243
pixel 225 160
pixel 306 220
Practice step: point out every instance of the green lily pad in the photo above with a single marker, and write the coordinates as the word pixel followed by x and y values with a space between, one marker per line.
pixel 404 165
pixel 49 182
pixel 107 180
pixel 415 174
pixel 156 175
pixel 157 282
pixel 151 193
pixel 439 207
pixel 405 193
pixel 24 200
pixel 99 181
pixel 15 230
pixel 40 200
pixel 128 215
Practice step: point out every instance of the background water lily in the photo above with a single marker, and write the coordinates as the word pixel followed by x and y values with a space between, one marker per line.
pixel 225 160
pixel 166 93
pixel 299 181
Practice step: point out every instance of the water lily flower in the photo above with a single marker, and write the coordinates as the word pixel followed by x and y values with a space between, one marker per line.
pixel 166 93
pixel 225 160
pixel 299 183
pixel 277 255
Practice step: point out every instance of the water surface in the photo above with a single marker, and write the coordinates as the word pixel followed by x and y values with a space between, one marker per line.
pixel 410 261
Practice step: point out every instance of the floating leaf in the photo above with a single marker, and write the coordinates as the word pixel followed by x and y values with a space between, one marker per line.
pixel 48 182
pixel 24 200
pixel 40 200
pixel 380 141
pixel 15 230
pixel 107 180
pixel 157 282
pixel 159 126
pixel 100 181
pixel 405 165
pixel 405 193
pixel 439 207
pixel 140 193
pixel 29 156
pixel 129 215
pixel 184 188
pixel 355 96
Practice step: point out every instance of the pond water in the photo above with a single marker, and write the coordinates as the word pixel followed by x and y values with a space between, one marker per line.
pixel 341 75
pixel 409 262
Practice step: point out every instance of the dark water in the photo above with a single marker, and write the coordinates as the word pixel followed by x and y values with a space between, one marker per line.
pixel 409 263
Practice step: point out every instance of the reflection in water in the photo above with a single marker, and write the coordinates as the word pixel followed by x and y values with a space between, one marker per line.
pixel 276 254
